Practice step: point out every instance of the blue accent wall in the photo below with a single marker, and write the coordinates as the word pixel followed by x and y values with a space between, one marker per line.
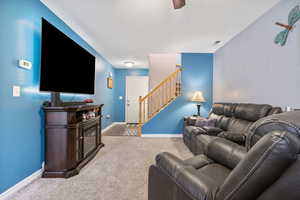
pixel 197 74
pixel 21 118
pixel 120 90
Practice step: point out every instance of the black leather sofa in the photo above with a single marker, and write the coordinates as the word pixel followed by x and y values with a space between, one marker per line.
pixel 270 170
pixel 233 122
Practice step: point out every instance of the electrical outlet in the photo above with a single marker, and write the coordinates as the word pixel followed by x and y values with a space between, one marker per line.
pixel 16 91
pixel 25 64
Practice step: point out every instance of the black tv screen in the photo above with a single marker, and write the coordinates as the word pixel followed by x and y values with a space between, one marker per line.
pixel 65 66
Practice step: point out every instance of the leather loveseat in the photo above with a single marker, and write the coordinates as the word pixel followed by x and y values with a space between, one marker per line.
pixel 270 169
pixel 232 121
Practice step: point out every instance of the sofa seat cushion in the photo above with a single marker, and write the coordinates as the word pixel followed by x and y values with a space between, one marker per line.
pixel 198 161
pixel 211 130
pixel 171 164
pixel 215 172
pixel 234 137
pixel 202 142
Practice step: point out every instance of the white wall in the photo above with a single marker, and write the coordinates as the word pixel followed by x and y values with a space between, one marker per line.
pixel 252 68
pixel 161 66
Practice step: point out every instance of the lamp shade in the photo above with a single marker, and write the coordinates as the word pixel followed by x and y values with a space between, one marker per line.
pixel 198 97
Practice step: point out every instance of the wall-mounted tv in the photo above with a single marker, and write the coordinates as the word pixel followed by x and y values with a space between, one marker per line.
pixel 65 65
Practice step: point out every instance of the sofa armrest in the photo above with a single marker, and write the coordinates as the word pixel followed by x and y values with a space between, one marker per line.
pixel 190 121
pixel 185 177
pixel 226 152
pixel 198 161
pixel 200 188
pixel 211 130
pixel 162 186
pixel 169 163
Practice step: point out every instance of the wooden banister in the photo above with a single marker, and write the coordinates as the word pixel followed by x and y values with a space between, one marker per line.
pixel 158 98
pixel 162 83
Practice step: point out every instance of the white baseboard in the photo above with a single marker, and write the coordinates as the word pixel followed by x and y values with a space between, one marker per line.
pixel 5 195
pixel 162 135
pixel 119 122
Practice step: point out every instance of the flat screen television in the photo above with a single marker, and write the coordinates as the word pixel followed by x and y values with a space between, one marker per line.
pixel 65 65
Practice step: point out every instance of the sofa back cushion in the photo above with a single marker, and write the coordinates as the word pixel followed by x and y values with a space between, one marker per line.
pixel 217 118
pixel 218 109
pixel 251 112
pixel 223 123
pixel 225 152
pixel 239 126
pixel 287 121
pixel 261 167
pixel 229 109
pixel 237 117
pixel 275 110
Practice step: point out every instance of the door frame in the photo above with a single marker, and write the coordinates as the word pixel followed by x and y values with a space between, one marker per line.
pixel 126 93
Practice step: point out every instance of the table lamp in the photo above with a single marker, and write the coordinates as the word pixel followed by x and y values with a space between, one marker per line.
pixel 198 97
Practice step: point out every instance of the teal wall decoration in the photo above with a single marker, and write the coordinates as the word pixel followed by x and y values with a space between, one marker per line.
pixel 294 16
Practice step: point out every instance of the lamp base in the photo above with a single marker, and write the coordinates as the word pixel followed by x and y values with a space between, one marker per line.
pixel 198 108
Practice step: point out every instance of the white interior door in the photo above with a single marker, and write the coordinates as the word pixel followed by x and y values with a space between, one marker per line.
pixel 135 86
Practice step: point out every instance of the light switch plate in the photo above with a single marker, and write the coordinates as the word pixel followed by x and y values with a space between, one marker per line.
pixel 25 64
pixel 16 91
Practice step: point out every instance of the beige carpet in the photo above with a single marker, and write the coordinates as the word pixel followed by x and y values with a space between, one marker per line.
pixel 118 172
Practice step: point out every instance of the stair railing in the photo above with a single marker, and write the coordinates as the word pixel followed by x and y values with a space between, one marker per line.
pixel 158 98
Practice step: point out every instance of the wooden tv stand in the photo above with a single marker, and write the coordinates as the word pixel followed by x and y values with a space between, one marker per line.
pixel 72 138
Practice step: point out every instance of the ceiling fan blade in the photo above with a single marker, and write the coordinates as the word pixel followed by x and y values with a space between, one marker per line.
pixel 178 4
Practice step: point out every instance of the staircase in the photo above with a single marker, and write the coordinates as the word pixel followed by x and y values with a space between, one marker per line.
pixel 159 98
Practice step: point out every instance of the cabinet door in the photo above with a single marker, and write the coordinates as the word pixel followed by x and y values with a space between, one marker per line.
pixel 99 141
pixel 79 145
pixel 89 139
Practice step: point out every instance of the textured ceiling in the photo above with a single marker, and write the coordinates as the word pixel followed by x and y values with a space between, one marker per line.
pixel 123 30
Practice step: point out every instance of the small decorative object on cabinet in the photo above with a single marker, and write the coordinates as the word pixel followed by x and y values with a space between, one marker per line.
pixel 72 138
pixel 293 17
